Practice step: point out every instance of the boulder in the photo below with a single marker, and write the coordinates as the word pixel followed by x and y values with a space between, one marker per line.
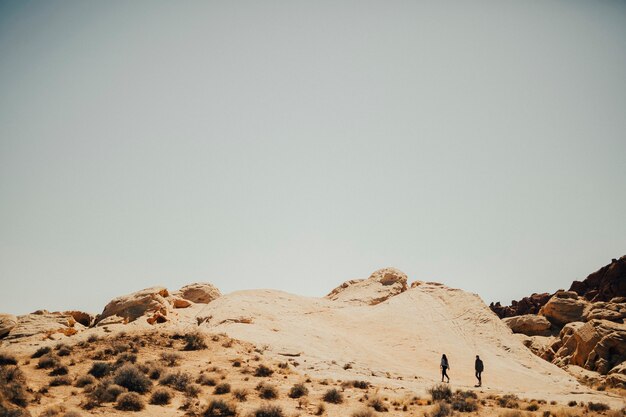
pixel 7 323
pixel 141 303
pixel 564 307
pixel 42 324
pixel 598 345
pixel 614 310
pixel 199 293
pixel 604 284
pixel 527 305
pixel 180 303
pixel 529 324
pixel 81 317
pixel 380 286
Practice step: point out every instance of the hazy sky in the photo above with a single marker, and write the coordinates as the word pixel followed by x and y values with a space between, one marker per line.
pixel 294 145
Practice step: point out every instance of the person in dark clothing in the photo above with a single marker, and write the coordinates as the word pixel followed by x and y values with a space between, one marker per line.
pixel 479 367
pixel 445 365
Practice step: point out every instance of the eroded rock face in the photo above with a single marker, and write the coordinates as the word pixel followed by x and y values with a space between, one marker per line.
pixel 614 310
pixel 130 307
pixel 527 305
pixel 606 283
pixel 529 324
pixel 199 292
pixel 380 286
pixel 564 307
pixel 598 345
pixel 7 323
pixel 43 324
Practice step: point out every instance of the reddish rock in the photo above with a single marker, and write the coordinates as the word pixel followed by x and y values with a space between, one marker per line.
pixel 604 284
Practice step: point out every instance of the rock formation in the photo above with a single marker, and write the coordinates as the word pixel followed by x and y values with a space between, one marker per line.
pixel 529 324
pixel 199 293
pixel 605 284
pixel 380 286
pixel 150 301
pixel 7 323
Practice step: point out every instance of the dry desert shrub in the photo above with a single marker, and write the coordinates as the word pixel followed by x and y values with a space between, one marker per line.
pixel 298 390
pixel 151 369
pixel 599 407
pixel 130 401
pixel 177 380
pixel 219 408
pixel 105 392
pixel 533 406
pixel 510 413
pixel 170 359
pixel 223 388
pixel 464 402
pixel 60 380
pixel 440 392
pixel 193 390
pixel 263 371
pixel 269 411
pixel 59 370
pixel 204 379
pixel 333 396
pixel 240 394
pixel 126 358
pixel 53 411
pixel 72 413
pixel 267 391
pixel 161 396
pixel 63 349
pixel 13 385
pixel 84 380
pixel 441 409
pixel 378 404
pixel 508 401
pixel 194 341
pixel 100 369
pixel 48 361
pixel 572 403
pixel 359 384
pixel 320 409
pixel 130 377
pixel 44 350
pixel 7 359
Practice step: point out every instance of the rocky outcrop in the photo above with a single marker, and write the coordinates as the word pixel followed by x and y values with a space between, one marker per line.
pixel 43 324
pixel 527 305
pixel 614 310
pixel 598 345
pixel 529 324
pixel 147 302
pixel 606 283
pixel 380 286
pixel 199 293
pixel 564 307
pixel 7 323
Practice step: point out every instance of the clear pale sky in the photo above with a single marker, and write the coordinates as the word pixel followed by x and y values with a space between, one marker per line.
pixel 294 145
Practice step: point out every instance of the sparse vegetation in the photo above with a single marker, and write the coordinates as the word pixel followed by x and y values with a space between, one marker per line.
pixel 333 396
pixel 44 350
pixel 130 401
pixel 63 350
pixel 106 392
pixel 13 385
pixel 441 409
pixel 223 388
pixel 100 369
pixel 298 390
pixel 378 404
pixel 60 380
pixel 194 341
pixel 532 407
pixel 508 401
pixel 263 371
pixel 59 370
pixel 572 403
pixel 597 406
pixel 204 379
pixel 48 361
pixel 170 359
pixel 84 380
pixel 130 377
pixel 161 396
pixel 359 384
pixel 440 392
pixel 177 380
pixel 219 408
pixel 267 392
pixel 240 394
pixel 269 411
pixel 366 412
pixel 7 359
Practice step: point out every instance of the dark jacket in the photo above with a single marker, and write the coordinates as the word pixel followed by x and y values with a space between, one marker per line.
pixel 479 365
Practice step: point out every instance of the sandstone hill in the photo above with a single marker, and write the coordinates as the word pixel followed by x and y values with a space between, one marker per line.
pixel 378 330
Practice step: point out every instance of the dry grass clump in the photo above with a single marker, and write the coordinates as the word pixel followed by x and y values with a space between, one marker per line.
pixel 130 401
pixel 126 358
pixel 219 408
pixel 572 403
pixel 508 401
pixel 204 379
pixel 170 359
pixel 298 390
pixel 151 369
pixel 193 390
pixel 7 359
pixel 440 392
pixel 59 370
pixel 105 392
pixel 60 380
pixel 161 396
pixel 48 361
pixel 63 349
pixel 464 401
pixel 52 411
pixel 177 380
pixel 441 409
pixel 359 384
pixel 599 407
pixel 130 377
pixel 44 350
pixel 223 388
pixel 13 386
pixel 240 394
pixel 366 412
pixel 84 380
pixel 194 341
pixel 533 406
pixel 378 404
pixel 267 391
pixel 269 411
pixel 263 371
pixel 100 369
pixel 333 396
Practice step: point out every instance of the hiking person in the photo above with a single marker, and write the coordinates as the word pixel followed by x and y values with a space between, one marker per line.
pixel 445 365
pixel 479 367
